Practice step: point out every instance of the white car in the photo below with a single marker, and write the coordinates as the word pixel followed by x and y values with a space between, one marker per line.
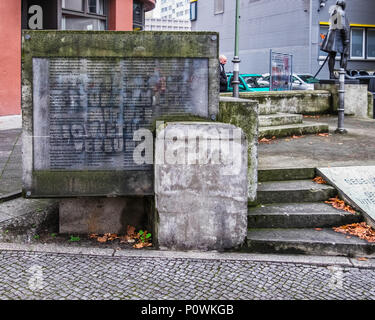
pixel 302 81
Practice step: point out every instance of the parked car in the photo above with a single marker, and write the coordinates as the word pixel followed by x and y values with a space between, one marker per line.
pixel 301 81
pixel 248 82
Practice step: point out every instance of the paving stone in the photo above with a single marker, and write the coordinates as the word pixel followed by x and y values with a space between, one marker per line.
pixel 98 278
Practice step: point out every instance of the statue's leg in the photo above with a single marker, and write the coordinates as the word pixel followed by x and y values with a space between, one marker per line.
pixel 344 60
pixel 331 65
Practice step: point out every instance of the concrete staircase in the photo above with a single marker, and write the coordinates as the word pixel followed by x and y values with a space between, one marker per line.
pixel 292 218
pixel 285 124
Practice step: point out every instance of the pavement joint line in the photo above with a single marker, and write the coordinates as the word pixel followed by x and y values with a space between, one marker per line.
pixel 209 256
pixel 10 196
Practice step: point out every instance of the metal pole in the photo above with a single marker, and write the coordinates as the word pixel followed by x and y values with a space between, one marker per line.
pixel 340 126
pixel 236 60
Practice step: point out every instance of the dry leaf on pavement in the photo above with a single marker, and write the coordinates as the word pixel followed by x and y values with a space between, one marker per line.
pixel 361 230
pixel 319 180
pixel 265 140
pixel 102 239
pixel 362 259
pixel 340 204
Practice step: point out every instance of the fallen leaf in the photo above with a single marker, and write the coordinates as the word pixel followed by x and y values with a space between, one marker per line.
pixel 361 230
pixel 265 140
pixel 318 229
pixel 112 236
pixel 93 236
pixel 323 134
pixel 319 180
pixel 131 231
pixel 102 239
pixel 296 137
pixel 340 205
pixel 124 239
pixel 140 245
pixel 362 259
pixel 314 117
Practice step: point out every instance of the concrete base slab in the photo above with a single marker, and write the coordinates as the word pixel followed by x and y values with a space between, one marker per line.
pixel 292 129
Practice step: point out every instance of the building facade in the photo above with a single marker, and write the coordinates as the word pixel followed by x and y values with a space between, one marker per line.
pixel 289 26
pixel 120 15
pixel 175 9
pixel 158 24
pixel 169 15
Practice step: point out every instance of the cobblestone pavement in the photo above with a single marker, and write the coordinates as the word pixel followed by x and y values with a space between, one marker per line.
pixel 29 275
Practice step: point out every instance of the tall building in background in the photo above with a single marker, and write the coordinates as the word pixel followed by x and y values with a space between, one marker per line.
pixel 169 15
pixel 175 9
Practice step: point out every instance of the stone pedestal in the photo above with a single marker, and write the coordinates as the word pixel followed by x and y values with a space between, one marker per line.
pixel 104 215
pixel 356 98
pixel 200 186
pixel 243 113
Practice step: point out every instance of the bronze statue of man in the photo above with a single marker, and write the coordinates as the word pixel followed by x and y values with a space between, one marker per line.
pixel 338 38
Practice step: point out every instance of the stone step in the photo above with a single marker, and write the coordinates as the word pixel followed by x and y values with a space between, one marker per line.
pixel 307 241
pixel 299 215
pixel 285 174
pixel 293 191
pixel 292 129
pixel 279 119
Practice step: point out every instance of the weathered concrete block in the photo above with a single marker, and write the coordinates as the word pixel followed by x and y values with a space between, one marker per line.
pixel 356 98
pixel 200 186
pixel 294 101
pixel 243 113
pixel 90 100
pixel 103 215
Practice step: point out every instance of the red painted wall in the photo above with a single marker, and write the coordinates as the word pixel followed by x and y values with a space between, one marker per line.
pixel 10 57
pixel 120 19
pixel 120 15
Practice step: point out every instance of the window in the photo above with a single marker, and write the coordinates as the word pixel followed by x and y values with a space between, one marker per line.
pixel 218 6
pixel 79 23
pixel 371 43
pixel 84 15
pixel 193 10
pixel 357 43
pixel 96 6
pixel 138 15
pixel 77 5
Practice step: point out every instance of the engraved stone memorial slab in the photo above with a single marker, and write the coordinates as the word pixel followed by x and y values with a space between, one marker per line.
pixel 357 184
pixel 91 99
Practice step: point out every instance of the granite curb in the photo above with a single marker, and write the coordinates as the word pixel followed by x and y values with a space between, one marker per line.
pixel 213 256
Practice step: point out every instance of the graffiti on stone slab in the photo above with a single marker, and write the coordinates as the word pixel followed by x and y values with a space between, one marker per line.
pixel 97 108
